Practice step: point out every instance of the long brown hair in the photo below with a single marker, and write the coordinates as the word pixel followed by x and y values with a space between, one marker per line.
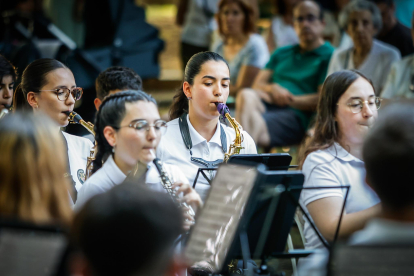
pixel 32 166
pixel 249 25
pixel 326 129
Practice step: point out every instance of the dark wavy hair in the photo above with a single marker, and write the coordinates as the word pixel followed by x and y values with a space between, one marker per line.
pixel 7 69
pixel 249 25
pixel 33 79
pixel 111 113
pixel 193 67
pixel 117 77
pixel 326 129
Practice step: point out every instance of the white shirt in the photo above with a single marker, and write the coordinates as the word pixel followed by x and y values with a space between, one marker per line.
pixel 377 231
pixel 198 27
pixel 172 150
pixel 334 167
pixel 399 80
pixel 110 175
pixel 78 151
pixel 376 65
pixel 283 34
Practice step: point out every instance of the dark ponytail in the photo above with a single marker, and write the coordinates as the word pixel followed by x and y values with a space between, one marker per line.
pixel 111 113
pixel 193 67
pixel 33 79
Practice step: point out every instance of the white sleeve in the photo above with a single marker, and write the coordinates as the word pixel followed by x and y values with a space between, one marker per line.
pixel 389 89
pixel 176 174
pixel 248 144
pixel 87 191
pixel 334 63
pixel 389 60
pixel 319 172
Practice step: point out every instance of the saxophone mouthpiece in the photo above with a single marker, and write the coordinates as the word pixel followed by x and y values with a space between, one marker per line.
pixel 67 112
pixel 222 109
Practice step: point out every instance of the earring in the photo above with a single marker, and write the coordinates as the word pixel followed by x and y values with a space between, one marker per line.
pixel 189 98
pixel 113 149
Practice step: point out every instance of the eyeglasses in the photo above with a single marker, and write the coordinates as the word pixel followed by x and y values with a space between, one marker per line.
pixel 310 18
pixel 142 126
pixel 356 105
pixel 63 93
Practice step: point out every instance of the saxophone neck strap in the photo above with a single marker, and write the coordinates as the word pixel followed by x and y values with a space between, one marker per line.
pixel 185 134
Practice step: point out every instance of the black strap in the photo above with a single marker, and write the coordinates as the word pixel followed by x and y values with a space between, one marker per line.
pixel 185 134
pixel 68 174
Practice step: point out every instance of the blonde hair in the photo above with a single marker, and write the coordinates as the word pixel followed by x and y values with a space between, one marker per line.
pixel 32 167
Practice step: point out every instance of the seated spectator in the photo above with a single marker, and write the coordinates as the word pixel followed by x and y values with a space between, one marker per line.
pixel 33 163
pixel 392 31
pixel 347 109
pixel 115 79
pixel 281 31
pixel 8 77
pixel 245 51
pixel 129 230
pixel 400 81
pixel 362 20
pixel 277 111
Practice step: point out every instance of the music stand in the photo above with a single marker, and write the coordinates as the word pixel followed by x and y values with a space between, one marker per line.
pixel 27 249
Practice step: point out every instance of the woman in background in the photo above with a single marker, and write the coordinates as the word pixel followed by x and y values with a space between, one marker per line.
pixel 8 76
pixel 245 51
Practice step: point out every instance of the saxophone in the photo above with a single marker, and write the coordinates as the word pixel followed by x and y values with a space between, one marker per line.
pixel 167 184
pixel 75 118
pixel 236 146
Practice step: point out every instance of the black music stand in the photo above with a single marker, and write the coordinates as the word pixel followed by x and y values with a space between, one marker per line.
pixel 27 249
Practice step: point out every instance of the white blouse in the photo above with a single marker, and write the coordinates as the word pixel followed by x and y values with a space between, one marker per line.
pixel 172 150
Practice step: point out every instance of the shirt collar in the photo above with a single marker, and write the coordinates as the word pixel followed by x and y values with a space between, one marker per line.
pixel 320 51
pixel 196 138
pixel 338 151
pixel 113 172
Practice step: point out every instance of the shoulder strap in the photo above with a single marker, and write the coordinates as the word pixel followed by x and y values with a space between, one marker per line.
pixel 185 134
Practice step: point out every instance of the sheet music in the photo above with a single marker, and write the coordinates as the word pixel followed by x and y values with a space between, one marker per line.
pixel 25 252
pixel 218 221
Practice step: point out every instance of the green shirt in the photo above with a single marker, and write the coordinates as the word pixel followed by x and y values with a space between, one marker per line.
pixel 300 73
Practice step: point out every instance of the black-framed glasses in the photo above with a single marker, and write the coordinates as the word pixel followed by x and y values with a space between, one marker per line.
pixel 63 93
pixel 356 105
pixel 310 18
pixel 142 126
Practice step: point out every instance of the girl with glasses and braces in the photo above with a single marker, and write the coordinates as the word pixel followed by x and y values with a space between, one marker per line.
pixel 128 129
pixel 347 109
pixel 49 86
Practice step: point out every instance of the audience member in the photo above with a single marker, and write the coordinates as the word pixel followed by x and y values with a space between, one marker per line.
pixel 347 109
pixel 8 76
pixel 277 111
pixel 113 80
pixel 362 20
pixel 197 20
pixel 33 163
pixel 392 31
pixel 245 51
pixel 129 230
pixel 281 31
pixel 400 81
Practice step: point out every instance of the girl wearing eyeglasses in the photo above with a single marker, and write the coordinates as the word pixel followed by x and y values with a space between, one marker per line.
pixel 347 109
pixel 48 86
pixel 128 129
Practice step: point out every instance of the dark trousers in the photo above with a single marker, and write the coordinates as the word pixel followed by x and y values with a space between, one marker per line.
pixel 188 50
